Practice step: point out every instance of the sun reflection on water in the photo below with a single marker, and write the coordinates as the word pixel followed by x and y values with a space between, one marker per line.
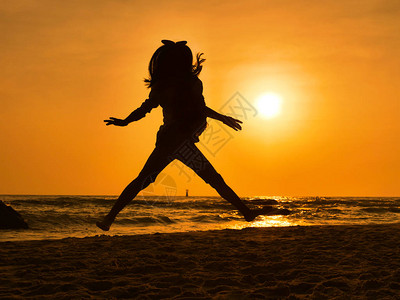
pixel 265 221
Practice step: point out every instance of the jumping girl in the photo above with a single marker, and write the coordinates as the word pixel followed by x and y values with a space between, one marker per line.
pixel 175 87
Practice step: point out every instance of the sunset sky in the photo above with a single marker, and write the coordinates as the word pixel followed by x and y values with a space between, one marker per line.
pixel 68 65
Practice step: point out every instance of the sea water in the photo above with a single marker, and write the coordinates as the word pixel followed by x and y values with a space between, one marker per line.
pixel 54 217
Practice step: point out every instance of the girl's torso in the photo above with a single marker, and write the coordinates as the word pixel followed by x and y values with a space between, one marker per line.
pixel 183 108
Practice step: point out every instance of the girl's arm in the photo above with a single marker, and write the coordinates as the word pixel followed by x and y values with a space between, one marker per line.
pixel 136 115
pixel 229 121
pixel 213 114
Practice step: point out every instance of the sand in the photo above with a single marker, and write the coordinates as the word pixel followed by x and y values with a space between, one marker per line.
pixel 315 262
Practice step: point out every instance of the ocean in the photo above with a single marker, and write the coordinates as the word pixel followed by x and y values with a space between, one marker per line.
pixel 55 217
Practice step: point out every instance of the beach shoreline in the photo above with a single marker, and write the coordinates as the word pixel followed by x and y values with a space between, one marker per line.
pixel 297 262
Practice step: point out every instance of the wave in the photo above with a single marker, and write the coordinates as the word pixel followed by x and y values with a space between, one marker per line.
pixel 57 201
pixel 212 218
pixel 150 202
pixel 381 210
pixel 146 220
pixel 55 222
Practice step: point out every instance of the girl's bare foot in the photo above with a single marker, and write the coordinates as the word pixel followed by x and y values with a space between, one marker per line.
pixel 252 214
pixel 104 224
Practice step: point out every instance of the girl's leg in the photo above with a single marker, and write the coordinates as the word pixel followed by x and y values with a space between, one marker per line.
pixel 156 162
pixel 199 163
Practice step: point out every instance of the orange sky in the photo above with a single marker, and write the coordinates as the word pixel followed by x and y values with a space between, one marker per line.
pixel 67 65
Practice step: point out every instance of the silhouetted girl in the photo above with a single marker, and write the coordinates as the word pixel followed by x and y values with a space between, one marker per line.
pixel 177 89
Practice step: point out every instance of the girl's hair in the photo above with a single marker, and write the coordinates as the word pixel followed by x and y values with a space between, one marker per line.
pixel 173 60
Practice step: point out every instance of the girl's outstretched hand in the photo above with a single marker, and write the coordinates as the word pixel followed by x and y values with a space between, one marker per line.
pixel 232 122
pixel 116 122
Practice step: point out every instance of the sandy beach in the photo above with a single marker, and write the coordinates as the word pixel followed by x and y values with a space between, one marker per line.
pixel 315 262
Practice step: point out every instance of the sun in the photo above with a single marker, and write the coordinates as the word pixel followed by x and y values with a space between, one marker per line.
pixel 269 105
